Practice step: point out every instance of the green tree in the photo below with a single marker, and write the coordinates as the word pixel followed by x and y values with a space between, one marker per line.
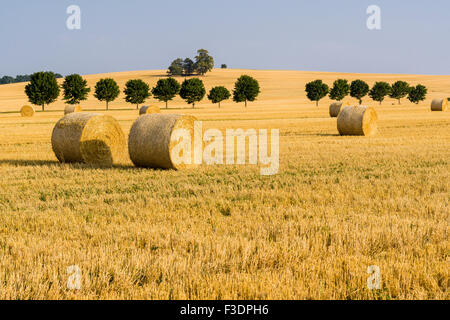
pixel 43 89
pixel 75 89
pixel 340 90
pixel 192 90
pixel 400 89
pixel 176 67
pixel 246 89
pixel 417 94
pixel 166 89
pixel 106 90
pixel 7 80
pixel 218 94
pixel 359 89
pixel 203 62
pixel 136 92
pixel 379 91
pixel 188 67
pixel 316 90
pixel 23 78
pixel 224 66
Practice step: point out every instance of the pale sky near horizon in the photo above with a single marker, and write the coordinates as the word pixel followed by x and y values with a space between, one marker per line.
pixel 320 35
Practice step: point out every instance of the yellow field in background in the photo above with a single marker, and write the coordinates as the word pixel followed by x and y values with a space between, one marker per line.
pixel 336 206
pixel 280 90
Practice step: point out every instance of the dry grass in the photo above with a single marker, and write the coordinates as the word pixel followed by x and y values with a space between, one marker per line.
pixel 337 205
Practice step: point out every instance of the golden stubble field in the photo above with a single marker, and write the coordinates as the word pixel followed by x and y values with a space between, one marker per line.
pixel 336 206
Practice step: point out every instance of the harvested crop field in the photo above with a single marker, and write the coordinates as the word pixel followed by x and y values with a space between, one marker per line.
pixel 338 204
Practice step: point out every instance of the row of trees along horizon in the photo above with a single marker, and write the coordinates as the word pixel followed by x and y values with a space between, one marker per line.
pixel 358 89
pixel 43 89
pixel 21 78
pixel 179 67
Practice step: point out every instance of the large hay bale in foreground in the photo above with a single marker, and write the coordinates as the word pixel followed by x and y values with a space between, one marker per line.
pixel 357 121
pixel 91 138
pixel 27 111
pixel 71 109
pixel 149 110
pixel 336 107
pixel 153 136
pixel 439 104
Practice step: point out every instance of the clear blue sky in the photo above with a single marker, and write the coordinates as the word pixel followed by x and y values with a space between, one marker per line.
pixel 319 35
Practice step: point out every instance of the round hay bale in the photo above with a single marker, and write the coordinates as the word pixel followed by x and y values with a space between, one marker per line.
pixel 153 136
pixel 439 104
pixel 357 121
pixel 90 138
pixel 336 107
pixel 27 111
pixel 71 109
pixel 149 110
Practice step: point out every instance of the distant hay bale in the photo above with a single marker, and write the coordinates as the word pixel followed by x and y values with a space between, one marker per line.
pixel 71 108
pixel 91 138
pixel 336 107
pixel 153 136
pixel 439 105
pixel 357 121
pixel 149 110
pixel 27 111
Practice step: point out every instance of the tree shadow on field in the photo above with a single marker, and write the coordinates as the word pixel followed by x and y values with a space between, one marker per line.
pixel 317 134
pixel 166 75
pixel 55 163
pixel 29 163
pixel 159 76
pixel 327 134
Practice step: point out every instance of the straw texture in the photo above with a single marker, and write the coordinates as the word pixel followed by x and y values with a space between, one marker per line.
pixel 439 105
pixel 149 110
pixel 27 111
pixel 72 108
pixel 336 107
pixel 91 138
pixel 151 140
pixel 357 121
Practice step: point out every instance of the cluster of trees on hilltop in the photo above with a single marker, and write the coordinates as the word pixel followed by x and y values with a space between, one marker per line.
pixel 43 89
pixel 203 63
pixel 358 89
pixel 20 78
